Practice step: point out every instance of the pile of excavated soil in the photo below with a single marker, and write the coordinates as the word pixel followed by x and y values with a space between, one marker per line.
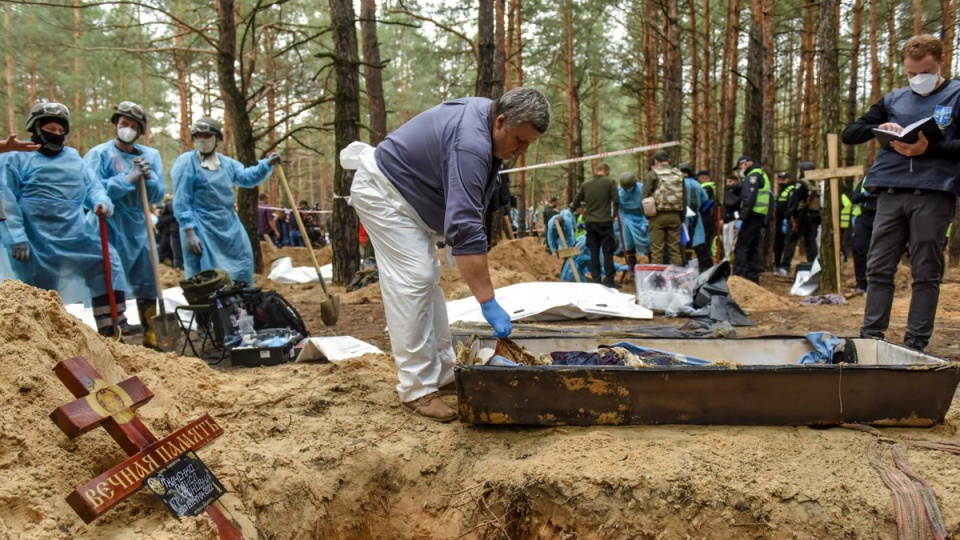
pixel 526 255
pixel 325 451
pixel 300 255
pixel 753 297
pixel 510 262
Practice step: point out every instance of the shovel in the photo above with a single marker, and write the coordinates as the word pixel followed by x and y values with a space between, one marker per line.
pixel 108 274
pixel 330 306
pixel 166 326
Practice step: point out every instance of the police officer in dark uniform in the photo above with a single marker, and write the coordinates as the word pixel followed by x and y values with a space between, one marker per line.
pixel 784 229
pixel 863 216
pixel 803 209
pixel 917 185
pixel 756 205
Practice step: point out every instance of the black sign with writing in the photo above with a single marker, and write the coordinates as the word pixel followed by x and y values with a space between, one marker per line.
pixel 185 485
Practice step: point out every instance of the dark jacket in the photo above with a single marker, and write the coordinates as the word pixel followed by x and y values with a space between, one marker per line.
pixel 937 169
pixel 731 203
pixel 600 194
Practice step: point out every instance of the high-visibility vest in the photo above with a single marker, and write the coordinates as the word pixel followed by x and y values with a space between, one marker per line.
pixel 713 187
pixel 785 193
pixel 764 196
pixel 845 211
pixel 858 209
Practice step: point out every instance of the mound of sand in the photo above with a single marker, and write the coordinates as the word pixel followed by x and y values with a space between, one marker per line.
pixel 526 255
pixel 325 451
pixel 753 297
pixel 300 255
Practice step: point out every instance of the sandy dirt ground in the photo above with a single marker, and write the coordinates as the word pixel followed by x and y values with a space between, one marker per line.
pixel 325 451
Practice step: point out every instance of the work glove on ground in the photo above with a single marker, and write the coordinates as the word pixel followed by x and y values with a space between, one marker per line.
pixel 497 317
pixel 273 158
pixel 193 242
pixel 106 208
pixel 20 251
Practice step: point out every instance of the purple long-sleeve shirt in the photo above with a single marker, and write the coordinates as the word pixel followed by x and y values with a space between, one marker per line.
pixel 442 163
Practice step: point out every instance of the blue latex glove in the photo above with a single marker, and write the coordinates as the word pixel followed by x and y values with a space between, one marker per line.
pixel 783 227
pixel 644 229
pixel 739 224
pixel 497 317
pixel 824 345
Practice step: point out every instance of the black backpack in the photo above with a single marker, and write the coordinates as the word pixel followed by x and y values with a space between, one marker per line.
pixel 271 310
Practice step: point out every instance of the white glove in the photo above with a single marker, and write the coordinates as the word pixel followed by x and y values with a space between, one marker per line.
pixel 106 208
pixel 273 158
pixel 193 242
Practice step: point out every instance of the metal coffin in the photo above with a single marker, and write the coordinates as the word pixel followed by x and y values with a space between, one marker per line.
pixel 757 382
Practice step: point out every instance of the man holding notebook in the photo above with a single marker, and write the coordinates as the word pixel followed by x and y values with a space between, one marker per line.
pixel 918 184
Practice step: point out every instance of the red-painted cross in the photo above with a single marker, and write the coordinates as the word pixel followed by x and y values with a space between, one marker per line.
pixel 114 408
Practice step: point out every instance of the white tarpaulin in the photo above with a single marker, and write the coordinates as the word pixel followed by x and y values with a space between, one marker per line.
pixel 552 301
pixel 172 298
pixel 334 349
pixel 807 281
pixel 283 271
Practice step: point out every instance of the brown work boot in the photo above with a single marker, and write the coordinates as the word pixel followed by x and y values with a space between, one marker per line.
pixel 431 407
pixel 449 389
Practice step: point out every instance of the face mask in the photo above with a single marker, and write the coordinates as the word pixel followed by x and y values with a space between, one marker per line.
pixel 205 146
pixel 51 144
pixel 127 135
pixel 924 83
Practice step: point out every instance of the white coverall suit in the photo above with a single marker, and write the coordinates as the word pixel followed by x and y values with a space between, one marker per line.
pixel 409 265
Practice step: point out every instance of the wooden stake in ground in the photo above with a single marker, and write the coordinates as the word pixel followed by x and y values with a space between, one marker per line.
pixel 830 281
pixel 568 253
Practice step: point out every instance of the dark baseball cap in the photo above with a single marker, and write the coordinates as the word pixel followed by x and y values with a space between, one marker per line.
pixel 703 172
pixel 743 159
pixel 784 174
pixel 661 155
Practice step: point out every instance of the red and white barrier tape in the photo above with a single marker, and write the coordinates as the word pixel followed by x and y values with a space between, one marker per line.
pixel 595 156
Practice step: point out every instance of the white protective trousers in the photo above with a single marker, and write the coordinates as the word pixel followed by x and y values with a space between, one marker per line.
pixel 409 266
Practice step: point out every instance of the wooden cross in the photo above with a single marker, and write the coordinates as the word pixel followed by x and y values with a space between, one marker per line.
pixel 834 173
pixel 113 407
pixel 568 253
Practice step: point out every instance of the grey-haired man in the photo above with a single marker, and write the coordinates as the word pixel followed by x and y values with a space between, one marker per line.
pixel 428 181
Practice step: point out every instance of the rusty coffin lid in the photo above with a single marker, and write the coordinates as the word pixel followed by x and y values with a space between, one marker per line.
pixel 754 381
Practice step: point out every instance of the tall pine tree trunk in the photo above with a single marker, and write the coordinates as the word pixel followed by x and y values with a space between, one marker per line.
pixel 11 102
pixel 236 116
pixel 696 96
pixel 827 43
pixel 651 64
pixel 874 73
pixel 517 46
pixel 372 72
pixel 854 77
pixel 672 78
pixel 753 108
pixel 346 121
pixel 499 57
pixel 809 97
pixel 574 140
pixel 730 89
pixel 948 34
pixel 486 49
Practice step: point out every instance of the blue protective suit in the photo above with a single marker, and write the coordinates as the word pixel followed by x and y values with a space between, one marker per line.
pixel 128 234
pixel 553 237
pixel 695 224
pixel 203 201
pixel 583 263
pixel 636 230
pixel 45 207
